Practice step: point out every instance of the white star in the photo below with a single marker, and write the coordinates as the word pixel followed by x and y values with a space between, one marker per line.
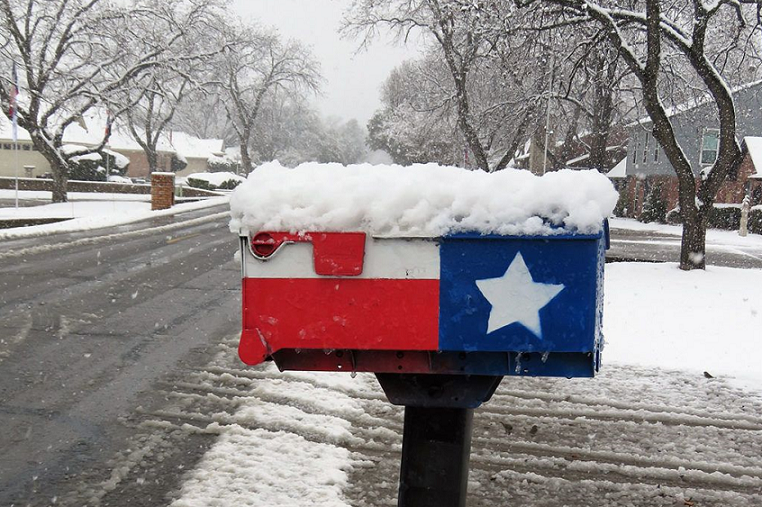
pixel 516 297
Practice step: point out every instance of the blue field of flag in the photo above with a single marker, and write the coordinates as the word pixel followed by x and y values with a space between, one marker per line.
pixel 521 294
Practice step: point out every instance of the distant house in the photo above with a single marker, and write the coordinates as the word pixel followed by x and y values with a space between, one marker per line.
pixel 30 163
pixel 574 154
pixel 696 126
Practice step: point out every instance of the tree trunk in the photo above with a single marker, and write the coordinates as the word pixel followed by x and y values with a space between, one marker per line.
pixel 58 167
pixel 152 157
pixel 598 156
pixel 693 246
pixel 60 182
pixel 245 157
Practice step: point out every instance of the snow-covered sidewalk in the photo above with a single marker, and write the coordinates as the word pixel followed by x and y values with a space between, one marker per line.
pixel 97 211
pixel 713 236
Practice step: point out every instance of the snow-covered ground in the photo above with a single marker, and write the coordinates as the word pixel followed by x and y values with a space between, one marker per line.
pixel 650 430
pixel 713 236
pixel 88 211
pixel 658 316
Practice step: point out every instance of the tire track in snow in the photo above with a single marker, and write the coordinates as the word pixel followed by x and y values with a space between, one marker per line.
pixel 537 396
pixel 547 442
pixel 539 442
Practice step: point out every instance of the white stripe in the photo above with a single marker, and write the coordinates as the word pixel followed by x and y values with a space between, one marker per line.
pixel 416 259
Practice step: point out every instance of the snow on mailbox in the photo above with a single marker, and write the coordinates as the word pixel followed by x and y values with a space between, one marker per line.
pixel 422 269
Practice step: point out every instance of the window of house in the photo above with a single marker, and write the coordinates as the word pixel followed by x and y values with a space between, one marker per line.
pixel 656 154
pixel 7 146
pixel 710 145
pixel 645 146
pixel 26 147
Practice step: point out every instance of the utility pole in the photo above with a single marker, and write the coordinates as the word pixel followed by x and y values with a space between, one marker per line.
pixel 547 116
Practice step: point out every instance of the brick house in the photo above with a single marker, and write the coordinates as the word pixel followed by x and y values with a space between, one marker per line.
pixel 696 127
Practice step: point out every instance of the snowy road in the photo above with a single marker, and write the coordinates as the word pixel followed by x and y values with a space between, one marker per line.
pixel 120 386
pixel 88 325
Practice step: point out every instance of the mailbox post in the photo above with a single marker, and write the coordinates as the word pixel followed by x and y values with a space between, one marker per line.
pixel 440 321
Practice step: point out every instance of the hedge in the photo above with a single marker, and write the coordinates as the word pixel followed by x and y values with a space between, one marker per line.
pixel 728 218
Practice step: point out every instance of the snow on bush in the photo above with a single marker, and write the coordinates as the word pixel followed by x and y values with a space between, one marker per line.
pixel 119 179
pixel 420 200
pixel 213 181
pixel 120 161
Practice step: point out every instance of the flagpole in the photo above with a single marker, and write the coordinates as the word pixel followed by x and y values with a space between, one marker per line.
pixel 16 164
pixel 15 126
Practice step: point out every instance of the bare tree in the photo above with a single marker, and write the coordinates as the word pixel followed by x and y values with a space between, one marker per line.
pixel 650 36
pixel 152 101
pixel 418 119
pixel 255 65
pixel 495 106
pixel 203 115
pixel 75 54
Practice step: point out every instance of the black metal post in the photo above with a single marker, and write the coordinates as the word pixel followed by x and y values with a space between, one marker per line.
pixel 436 446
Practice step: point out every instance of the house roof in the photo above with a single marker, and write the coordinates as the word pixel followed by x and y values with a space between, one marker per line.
pixel 754 147
pixel 121 139
pixel 619 170
pixel 693 103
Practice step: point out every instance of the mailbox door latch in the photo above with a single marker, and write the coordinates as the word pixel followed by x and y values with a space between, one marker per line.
pixel 334 253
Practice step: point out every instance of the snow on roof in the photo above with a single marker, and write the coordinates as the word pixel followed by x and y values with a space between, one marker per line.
pixel 121 139
pixel 693 103
pixel 754 146
pixel 193 147
pixel 619 170
pixel 420 200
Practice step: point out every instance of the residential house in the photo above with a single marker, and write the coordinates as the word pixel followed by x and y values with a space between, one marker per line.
pixel 696 127
pixel 574 154
pixel 28 162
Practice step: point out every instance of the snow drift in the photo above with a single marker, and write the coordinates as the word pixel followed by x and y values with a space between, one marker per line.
pixel 420 200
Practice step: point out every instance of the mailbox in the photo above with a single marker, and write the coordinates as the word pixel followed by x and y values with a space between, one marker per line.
pixel 439 280
pixel 463 304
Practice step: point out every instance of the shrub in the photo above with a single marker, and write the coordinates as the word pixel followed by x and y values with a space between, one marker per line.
pixel 202 184
pixel 87 168
pixel 725 218
pixel 655 207
pixel 673 217
pixel 92 167
pixel 229 184
pixel 177 163
pixel 620 210
pixel 755 221
pixel 222 164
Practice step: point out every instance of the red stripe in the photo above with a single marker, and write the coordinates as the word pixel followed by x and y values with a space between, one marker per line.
pixel 336 313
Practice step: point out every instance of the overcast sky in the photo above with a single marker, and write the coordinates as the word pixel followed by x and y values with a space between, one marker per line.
pixel 352 81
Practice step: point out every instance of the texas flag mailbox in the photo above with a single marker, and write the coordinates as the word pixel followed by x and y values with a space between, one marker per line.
pixel 464 303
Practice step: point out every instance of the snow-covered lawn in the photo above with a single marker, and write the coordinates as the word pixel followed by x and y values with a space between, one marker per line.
pixel 97 211
pixel 658 316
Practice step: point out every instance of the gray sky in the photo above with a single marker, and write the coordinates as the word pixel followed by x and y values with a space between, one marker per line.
pixel 352 82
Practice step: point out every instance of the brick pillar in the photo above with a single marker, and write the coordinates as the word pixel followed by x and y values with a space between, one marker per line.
pixel 162 190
